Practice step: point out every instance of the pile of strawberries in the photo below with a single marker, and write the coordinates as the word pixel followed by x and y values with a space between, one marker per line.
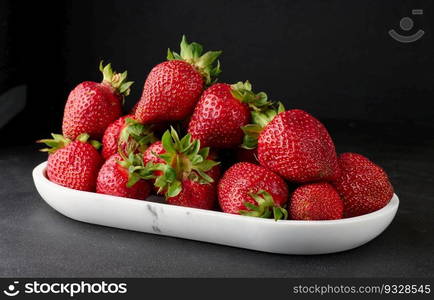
pixel 208 145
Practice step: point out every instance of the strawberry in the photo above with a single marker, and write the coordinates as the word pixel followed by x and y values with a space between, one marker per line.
pixel 173 87
pixel 92 106
pixel 113 179
pixel 73 164
pixel 363 186
pixel 252 190
pixel 221 112
pixel 261 116
pixel 186 175
pixel 125 133
pixel 151 155
pixel 298 147
pixel 196 194
pixel 316 201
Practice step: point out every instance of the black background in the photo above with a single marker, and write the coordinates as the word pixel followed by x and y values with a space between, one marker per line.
pixel 334 59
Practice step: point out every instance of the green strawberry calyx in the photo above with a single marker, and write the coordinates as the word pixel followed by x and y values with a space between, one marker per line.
pixel 59 141
pixel 260 119
pixel 133 164
pixel 184 160
pixel 265 207
pixel 207 63
pixel 136 136
pixel 117 81
pixel 243 92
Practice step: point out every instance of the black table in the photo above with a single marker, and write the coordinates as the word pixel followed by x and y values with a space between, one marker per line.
pixel 35 240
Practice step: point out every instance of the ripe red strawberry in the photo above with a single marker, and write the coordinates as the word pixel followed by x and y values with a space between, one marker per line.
pixel 92 106
pixel 196 194
pixel 363 186
pixel 173 87
pixel 316 201
pixel 125 133
pixel 73 164
pixel 298 147
pixel 252 190
pixel 185 175
pixel 151 155
pixel 221 112
pixel 114 176
pixel 261 116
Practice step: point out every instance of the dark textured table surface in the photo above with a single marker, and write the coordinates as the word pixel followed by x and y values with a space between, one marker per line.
pixel 35 240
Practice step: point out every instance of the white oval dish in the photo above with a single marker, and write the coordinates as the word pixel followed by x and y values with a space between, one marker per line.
pixel 285 237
